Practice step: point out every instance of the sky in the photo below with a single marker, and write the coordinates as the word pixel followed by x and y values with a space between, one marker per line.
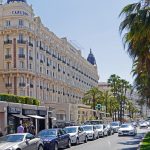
pixel 90 24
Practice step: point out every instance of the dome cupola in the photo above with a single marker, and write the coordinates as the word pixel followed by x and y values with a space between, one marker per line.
pixel 9 1
pixel 91 58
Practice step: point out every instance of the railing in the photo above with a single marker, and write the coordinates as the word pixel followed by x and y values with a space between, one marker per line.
pixel 21 55
pixel 8 84
pixel 22 84
pixel 8 56
pixel 30 57
pixel 8 42
pixel 30 44
pixel 21 42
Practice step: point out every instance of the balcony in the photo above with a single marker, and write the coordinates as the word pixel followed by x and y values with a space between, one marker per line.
pixel 31 85
pixel 21 55
pixel 41 61
pixel 21 42
pixel 8 84
pixel 30 58
pixel 41 48
pixel 8 42
pixel 8 56
pixel 48 52
pixel 22 84
pixel 30 44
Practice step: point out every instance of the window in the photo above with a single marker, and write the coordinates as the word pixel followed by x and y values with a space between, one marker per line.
pixel 21 65
pixel 7 37
pixel 22 79
pixel 20 37
pixel 21 51
pixel 30 66
pixel 8 51
pixel 21 23
pixel 8 65
pixel 7 23
pixel 30 53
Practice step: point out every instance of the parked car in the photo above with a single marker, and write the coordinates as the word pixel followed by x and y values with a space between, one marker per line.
pixel 91 131
pixel 94 122
pixel 20 141
pixel 109 129
pixel 77 134
pixel 127 129
pixel 115 125
pixel 54 139
pixel 102 131
pixel 143 124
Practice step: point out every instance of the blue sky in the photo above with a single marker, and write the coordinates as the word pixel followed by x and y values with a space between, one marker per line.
pixel 90 24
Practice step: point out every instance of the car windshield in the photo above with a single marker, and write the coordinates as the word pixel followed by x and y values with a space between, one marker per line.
pixel 124 126
pixel 12 138
pixel 99 127
pixel 87 128
pixel 71 130
pixel 114 124
pixel 46 133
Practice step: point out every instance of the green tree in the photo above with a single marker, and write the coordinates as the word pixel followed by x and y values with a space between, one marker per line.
pixel 91 97
pixel 136 29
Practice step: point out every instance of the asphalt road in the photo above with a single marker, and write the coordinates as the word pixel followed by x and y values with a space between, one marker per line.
pixel 113 142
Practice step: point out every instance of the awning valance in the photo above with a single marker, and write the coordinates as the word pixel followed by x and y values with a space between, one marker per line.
pixel 36 116
pixel 20 116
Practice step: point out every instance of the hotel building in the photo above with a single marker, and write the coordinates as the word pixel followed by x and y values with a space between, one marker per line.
pixel 37 63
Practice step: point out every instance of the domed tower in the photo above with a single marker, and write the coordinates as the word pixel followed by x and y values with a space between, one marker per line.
pixel 8 1
pixel 91 58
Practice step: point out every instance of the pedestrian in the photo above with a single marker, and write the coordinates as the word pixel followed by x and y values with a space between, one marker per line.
pixel 31 128
pixel 1 133
pixel 20 129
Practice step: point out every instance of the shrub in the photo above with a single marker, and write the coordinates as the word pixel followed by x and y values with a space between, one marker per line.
pixel 19 99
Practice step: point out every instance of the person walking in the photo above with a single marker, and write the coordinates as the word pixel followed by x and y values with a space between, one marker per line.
pixel 1 133
pixel 31 128
pixel 20 129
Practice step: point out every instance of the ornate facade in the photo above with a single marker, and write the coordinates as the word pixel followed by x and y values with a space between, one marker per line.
pixel 35 62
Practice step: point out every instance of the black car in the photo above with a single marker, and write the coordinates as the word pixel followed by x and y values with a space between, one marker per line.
pixel 53 139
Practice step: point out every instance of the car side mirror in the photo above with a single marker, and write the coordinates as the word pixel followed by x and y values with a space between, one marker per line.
pixel 27 140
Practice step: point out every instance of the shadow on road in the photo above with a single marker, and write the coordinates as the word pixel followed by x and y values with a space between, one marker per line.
pixel 133 141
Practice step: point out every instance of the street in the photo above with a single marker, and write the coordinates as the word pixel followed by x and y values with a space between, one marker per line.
pixel 113 142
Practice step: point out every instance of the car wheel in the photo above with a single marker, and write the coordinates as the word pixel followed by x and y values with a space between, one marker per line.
pixel 56 146
pixel 40 147
pixel 85 141
pixel 77 141
pixel 69 144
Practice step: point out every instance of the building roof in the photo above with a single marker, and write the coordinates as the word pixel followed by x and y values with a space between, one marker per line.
pixel 91 58
pixel 8 1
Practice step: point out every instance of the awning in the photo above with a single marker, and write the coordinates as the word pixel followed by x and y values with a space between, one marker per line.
pixel 20 116
pixel 36 116
pixel 54 118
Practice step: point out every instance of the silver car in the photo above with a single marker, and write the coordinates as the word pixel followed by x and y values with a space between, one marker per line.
pixel 102 130
pixel 20 141
pixel 77 134
pixel 115 125
pixel 127 129
pixel 91 131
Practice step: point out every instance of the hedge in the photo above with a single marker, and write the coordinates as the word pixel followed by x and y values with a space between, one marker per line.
pixel 19 99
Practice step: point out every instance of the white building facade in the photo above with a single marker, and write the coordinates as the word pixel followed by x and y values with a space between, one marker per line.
pixel 36 63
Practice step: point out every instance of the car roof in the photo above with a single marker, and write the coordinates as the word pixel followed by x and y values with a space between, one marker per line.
pixel 18 134
pixel 72 126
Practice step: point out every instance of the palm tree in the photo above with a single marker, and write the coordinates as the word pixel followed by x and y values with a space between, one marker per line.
pixel 136 25
pixel 91 97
